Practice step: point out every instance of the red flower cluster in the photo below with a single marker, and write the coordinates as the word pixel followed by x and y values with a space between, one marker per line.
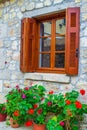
pixel 28 123
pixel 78 104
pixel 31 111
pixel 82 92
pixel 49 103
pixel 68 102
pixel 51 92
pixel 26 88
pixel 16 113
pixel 35 106
pixel 3 108
pixel 39 111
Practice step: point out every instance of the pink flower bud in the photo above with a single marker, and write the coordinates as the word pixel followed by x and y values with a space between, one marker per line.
pixel 62 123
pixel 49 103
pixel 23 96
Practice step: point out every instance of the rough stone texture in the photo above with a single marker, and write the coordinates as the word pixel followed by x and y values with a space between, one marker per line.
pixel 0 13
pixel 39 5
pixel 47 2
pixel 84 16
pixel 83 42
pixel 84 8
pixel 77 1
pixel 30 6
pixel 60 78
pixel 57 1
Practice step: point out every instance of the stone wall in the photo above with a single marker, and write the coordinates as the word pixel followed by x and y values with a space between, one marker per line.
pixel 11 13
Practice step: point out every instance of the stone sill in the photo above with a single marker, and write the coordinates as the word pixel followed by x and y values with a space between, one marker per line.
pixel 59 78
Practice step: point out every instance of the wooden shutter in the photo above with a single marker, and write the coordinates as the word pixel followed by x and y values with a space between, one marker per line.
pixel 72 40
pixel 27 45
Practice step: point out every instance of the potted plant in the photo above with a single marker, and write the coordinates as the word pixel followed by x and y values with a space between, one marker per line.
pixel 39 116
pixel 3 113
pixel 17 107
pixel 34 96
pixel 20 104
pixel 70 112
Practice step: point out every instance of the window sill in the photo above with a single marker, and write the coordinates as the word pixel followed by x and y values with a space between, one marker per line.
pixel 59 78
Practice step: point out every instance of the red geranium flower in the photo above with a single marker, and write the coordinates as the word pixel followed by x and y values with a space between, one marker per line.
pixel 16 113
pixel 28 123
pixel 42 99
pixel 39 111
pixel 68 102
pixel 78 104
pixel 26 88
pixel 35 106
pixel 51 92
pixel 49 103
pixel 82 92
pixel 31 111
pixel 3 108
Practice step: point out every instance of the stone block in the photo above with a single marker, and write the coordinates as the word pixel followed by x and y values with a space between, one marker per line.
pixel 82 84
pixel 14 45
pixel 16 56
pixel 84 8
pixel 30 6
pixel 77 1
pixel 12 1
pixel 20 15
pixel 20 2
pixel 0 13
pixel 47 2
pixel 57 1
pixel 84 16
pixel 59 78
pixel 1 43
pixel 83 42
pixel 39 5
pixel 23 9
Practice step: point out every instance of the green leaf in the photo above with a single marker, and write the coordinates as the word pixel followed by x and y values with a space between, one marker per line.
pixel 75 128
pixel 59 128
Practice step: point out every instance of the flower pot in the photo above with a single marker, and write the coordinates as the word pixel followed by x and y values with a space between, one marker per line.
pixel 13 123
pixel 39 127
pixel 2 117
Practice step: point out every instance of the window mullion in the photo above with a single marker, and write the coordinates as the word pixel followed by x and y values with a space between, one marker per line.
pixel 53 44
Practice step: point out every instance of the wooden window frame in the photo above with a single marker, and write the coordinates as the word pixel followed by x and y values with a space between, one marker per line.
pixel 53 18
pixel 29 40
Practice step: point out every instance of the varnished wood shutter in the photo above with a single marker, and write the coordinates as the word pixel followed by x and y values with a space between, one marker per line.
pixel 72 40
pixel 27 45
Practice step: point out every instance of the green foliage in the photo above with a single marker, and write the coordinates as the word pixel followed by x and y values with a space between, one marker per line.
pixel 3 108
pixel 33 103
pixel 20 101
pixel 68 111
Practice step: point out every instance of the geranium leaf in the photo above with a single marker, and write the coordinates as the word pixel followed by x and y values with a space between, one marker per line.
pixel 59 128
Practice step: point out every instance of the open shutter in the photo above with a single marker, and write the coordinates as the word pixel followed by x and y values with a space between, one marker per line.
pixel 72 40
pixel 27 45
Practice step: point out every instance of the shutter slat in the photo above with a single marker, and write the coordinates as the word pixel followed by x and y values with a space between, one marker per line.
pixel 72 40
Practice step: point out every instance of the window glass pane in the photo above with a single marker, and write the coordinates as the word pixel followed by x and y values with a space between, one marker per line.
pixel 45 28
pixel 44 60
pixel 45 44
pixel 60 43
pixel 60 26
pixel 59 60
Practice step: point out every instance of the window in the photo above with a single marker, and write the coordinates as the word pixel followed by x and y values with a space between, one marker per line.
pixel 50 43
